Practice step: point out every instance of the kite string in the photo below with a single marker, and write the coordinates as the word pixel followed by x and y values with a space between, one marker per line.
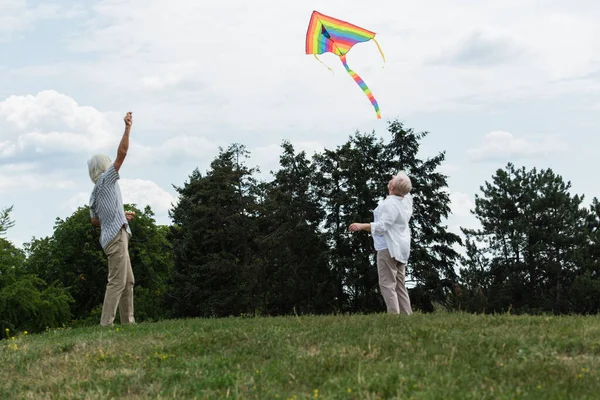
pixel 319 60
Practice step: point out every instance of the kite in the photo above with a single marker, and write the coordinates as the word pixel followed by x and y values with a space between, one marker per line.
pixel 331 35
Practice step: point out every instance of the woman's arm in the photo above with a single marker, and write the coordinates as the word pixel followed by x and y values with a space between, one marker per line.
pixel 388 215
pixel 358 226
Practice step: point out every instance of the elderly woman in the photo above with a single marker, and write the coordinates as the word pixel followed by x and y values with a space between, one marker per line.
pixel 391 237
pixel 106 211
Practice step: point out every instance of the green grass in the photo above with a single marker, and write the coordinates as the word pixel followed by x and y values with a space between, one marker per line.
pixel 436 356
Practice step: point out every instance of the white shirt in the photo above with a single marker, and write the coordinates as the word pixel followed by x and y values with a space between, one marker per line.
pixel 393 215
pixel 378 240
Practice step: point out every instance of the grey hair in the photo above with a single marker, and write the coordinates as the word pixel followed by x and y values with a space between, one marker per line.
pixel 401 184
pixel 97 165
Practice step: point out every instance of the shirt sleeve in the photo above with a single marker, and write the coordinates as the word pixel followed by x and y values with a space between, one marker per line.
pixel 92 211
pixel 111 175
pixel 387 217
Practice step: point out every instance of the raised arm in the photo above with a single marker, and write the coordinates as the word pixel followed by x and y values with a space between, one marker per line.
pixel 124 145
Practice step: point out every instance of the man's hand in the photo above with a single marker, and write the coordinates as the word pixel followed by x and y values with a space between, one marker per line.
pixel 124 145
pixel 128 119
pixel 129 215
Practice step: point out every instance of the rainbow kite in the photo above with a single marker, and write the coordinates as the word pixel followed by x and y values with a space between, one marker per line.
pixel 330 35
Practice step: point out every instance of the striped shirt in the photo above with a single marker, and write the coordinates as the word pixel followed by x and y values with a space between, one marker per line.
pixel 106 204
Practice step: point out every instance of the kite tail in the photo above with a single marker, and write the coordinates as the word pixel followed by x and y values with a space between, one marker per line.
pixel 380 51
pixel 362 85
pixel 319 60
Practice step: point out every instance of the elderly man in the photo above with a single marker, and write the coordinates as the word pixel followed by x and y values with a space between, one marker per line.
pixel 391 237
pixel 106 211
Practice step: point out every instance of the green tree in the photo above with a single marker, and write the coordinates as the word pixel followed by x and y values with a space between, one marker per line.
pixel 352 180
pixel 214 254
pixel 294 271
pixel 5 221
pixel 585 291
pixel 26 301
pixel 433 260
pixel 533 243
pixel 73 256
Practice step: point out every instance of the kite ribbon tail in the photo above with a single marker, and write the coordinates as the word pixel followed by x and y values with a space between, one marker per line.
pixel 380 51
pixel 319 60
pixel 362 85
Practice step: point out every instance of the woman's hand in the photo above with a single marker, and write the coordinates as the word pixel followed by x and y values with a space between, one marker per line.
pixel 359 227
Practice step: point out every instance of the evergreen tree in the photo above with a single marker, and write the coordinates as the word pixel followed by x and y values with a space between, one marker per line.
pixel 5 221
pixel 532 244
pixel 294 273
pixel 433 257
pixel 214 223
pixel 352 180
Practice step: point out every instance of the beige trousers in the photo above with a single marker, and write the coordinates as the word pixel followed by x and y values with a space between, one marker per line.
pixel 391 282
pixel 119 290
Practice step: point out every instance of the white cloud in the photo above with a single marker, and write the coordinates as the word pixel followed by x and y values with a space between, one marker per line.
pixel 53 123
pixel 501 145
pixel 50 122
pixel 19 15
pixel 202 74
pixel 211 61
pixel 24 178
pixel 79 199
pixel 175 150
pixel 449 168
pixel 482 48
pixel 144 192
pixel 461 204
pixel 134 191
pixel 267 157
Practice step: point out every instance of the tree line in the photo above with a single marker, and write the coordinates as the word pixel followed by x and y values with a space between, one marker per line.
pixel 238 245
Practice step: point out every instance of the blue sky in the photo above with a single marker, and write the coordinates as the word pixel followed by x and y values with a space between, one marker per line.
pixel 492 81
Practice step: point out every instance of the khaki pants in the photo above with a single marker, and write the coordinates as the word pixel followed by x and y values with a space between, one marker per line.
pixel 119 290
pixel 391 282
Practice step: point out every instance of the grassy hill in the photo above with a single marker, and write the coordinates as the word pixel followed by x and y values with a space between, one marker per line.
pixel 436 356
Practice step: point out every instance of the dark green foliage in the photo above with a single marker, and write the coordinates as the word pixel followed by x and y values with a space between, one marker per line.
pixel 26 301
pixel 212 240
pixel 238 246
pixel 352 179
pixel 533 252
pixel 5 221
pixel 293 253
pixel 433 258
pixel 73 256
pixel 243 247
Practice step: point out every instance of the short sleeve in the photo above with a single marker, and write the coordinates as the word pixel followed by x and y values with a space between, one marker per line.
pixel 111 176
pixel 92 211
